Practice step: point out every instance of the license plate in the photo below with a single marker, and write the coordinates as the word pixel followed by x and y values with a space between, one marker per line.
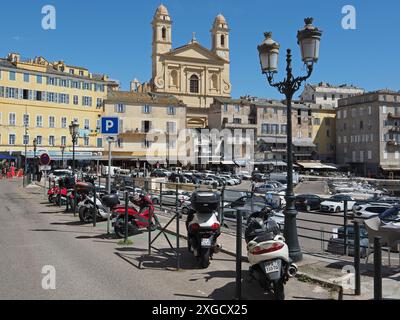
pixel 206 242
pixel 272 267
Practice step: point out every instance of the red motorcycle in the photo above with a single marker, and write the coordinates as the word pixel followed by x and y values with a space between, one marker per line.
pixel 137 220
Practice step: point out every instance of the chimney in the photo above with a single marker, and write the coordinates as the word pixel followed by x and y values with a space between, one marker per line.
pixel 135 85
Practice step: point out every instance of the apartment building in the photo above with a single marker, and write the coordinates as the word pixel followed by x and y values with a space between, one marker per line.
pixel 150 124
pixel 235 118
pixel 39 100
pixel 327 94
pixel 368 133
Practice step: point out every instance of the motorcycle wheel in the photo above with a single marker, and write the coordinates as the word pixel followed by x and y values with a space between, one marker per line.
pixel 84 215
pixel 279 289
pixel 205 258
pixel 50 199
pixel 119 228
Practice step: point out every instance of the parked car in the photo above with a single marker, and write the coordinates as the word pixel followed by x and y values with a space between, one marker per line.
pixel 56 174
pixel 228 181
pixel 336 243
pixel 308 202
pixel 158 173
pixel 244 175
pixel 168 197
pixel 267 187
pixel 180 177
pixel 336 203
pixel 245 205
pixel 362 211
pixel 258 177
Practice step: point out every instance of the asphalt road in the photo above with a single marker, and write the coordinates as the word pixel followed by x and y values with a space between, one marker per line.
pixel 90 265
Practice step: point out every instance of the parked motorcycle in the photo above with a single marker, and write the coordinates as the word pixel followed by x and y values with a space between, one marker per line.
pixel 268 253
pixel 137 219
pixel 203 226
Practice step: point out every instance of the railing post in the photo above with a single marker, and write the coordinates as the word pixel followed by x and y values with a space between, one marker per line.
pixel 357 290
pixel 178 263
pixel 345 227
pixel 161 190
pixel 238 255
pixel 126 216
pixel 95 207
pixel 151 213
pixel 221 207
pixel 377 268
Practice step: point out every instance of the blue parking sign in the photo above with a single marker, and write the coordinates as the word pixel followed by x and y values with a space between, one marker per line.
pixel 109 125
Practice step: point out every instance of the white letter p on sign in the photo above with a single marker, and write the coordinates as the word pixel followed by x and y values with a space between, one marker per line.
pixel 109 125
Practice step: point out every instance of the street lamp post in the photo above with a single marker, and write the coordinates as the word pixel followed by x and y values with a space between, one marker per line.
pixel 309 40
pixel 73 130
pixel 34 158
pixel 62 147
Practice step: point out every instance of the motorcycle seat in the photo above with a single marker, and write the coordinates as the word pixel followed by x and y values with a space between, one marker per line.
pixel 266 236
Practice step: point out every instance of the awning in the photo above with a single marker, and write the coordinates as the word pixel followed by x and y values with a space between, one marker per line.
pixel 270 162
pixel 227 162
pixel 273 140
pixel 6 157
pixel 317 165
pixel 390 168
pixel 304 143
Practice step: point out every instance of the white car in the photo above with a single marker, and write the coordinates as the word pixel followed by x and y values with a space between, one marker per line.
pixel 336 204
pixel 229 181
pixel 56 174
pixel 363 211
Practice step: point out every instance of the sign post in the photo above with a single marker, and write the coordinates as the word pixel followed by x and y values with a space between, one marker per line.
pixel 109 128
pixel 45 161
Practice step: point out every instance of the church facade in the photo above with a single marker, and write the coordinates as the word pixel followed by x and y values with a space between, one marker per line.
pixel 192 73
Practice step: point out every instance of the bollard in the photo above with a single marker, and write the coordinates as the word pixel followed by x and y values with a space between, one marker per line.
pixel 345 228
pixel 357 290
pixel 95 208
pixel 377 268
pixel 238 255
pixel 149 228
pixel 178 262
pixel 126 216
pixel 161 187
pixel 75 199
pixel 221 207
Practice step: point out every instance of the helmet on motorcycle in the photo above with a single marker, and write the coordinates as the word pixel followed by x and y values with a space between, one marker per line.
pixel 136 197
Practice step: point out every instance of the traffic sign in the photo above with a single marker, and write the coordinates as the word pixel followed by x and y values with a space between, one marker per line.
pixel 110 125
pixel 45 159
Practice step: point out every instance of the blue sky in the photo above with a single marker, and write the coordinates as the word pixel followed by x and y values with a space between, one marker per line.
pixel 114 37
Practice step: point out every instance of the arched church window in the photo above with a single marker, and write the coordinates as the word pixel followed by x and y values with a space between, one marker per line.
pixel 194 84
pixel 164 33
pixel 174 78
pixel 222 41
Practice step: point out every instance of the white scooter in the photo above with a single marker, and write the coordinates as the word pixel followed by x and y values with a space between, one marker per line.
pixel 204 227
pixel 86 209
pixel 268 253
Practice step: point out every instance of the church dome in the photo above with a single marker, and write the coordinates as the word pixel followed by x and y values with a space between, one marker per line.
pixel 162 10
pixel 220 19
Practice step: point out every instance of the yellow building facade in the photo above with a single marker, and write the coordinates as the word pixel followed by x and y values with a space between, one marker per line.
pixel 39 100
pixel 150 125
pixel 324 132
